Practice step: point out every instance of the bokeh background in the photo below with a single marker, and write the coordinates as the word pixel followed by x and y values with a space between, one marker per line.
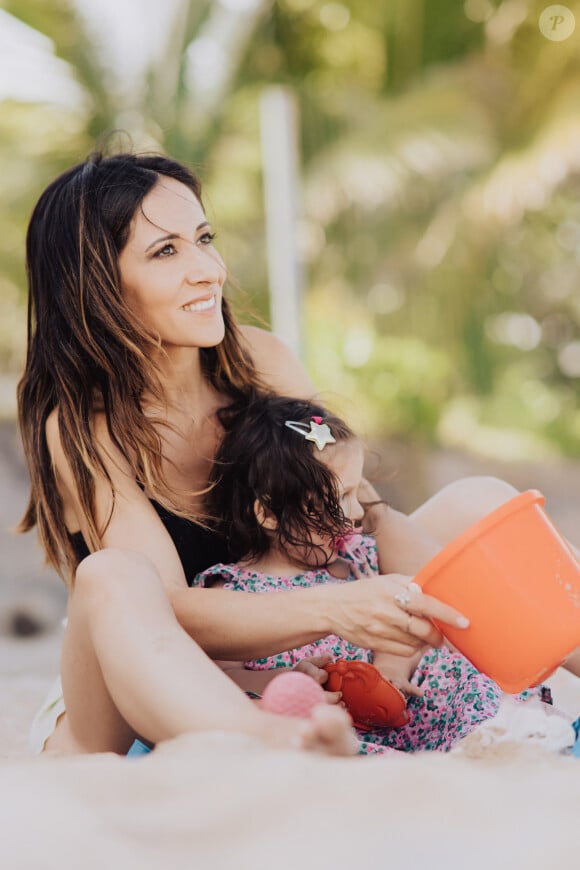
pixel 438 214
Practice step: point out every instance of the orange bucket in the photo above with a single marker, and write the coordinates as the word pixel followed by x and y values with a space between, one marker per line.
pixel 518 582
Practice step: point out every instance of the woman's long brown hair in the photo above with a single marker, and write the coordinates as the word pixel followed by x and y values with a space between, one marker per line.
pixel 85 351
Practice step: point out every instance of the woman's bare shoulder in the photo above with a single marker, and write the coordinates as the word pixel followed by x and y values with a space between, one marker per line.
pixel 277 364
pixel 54 443
pixel 52 432
pixel 104 445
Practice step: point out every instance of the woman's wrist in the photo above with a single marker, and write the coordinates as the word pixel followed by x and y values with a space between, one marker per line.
pixel 321 609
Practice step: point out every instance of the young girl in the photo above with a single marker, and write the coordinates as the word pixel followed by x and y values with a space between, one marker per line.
pixel 286 485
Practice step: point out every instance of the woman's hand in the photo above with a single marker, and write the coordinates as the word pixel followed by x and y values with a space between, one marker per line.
pixel 388 613
pixel 314 667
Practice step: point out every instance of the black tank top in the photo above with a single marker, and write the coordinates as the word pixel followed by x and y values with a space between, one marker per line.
pixel 198 547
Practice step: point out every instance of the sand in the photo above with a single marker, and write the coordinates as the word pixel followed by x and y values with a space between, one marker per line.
pixel 222 801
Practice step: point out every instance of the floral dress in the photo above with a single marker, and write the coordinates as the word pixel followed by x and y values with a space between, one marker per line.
pixel 457 697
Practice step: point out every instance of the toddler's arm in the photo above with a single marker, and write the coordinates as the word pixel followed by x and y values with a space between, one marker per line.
pixel 399 670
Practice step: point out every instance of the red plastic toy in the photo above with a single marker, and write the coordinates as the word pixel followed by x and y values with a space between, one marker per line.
pixel 371 700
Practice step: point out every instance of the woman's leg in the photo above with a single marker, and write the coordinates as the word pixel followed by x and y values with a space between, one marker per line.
pixel 460 504
pixel 129 668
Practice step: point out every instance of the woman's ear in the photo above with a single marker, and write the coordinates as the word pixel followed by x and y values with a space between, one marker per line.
pixel 265 517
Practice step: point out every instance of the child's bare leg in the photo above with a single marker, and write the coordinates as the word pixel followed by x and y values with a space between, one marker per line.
pixel 129 668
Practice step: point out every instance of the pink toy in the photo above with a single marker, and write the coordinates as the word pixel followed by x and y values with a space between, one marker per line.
pixel 292 694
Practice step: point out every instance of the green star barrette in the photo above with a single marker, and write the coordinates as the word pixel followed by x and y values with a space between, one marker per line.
pixel 318 432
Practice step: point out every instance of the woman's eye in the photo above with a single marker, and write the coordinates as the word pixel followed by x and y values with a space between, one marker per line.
pixel 207 238
pixel 166 251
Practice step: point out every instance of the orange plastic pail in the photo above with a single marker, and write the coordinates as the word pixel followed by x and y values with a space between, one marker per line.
pixel 518 581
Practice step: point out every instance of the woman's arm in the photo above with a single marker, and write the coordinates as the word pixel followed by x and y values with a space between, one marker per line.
pixel 252 626
pixel 239 625
pixel 134 524
pixel 244 625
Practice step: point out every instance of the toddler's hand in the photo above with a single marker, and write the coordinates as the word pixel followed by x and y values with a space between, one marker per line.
pixel 398 670
pixel 405 686
pixel 314 667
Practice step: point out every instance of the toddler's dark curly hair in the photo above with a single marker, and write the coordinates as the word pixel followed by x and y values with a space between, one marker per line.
pixel 262 462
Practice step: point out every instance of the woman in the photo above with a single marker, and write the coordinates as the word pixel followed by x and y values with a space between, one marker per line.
pixel 132 355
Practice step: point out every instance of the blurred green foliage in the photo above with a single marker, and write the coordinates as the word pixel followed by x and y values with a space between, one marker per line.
pixel 441 209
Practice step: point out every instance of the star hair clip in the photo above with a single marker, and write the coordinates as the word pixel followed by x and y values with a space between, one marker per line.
pixel 318 432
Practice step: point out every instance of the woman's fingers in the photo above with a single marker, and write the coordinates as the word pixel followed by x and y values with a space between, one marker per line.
pixel 388 613
pixel 409 597
pixel 365 614
pixel 400 647
pixel 408 635
pixel 413 601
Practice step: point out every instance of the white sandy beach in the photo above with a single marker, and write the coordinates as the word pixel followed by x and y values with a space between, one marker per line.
pixel 213 801
pixel 217 801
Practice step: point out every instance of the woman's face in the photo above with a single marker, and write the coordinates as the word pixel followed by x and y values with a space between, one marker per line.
pixel 172 276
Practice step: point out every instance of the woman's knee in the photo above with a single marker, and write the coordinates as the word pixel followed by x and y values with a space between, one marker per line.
pixel 114 573
pixel 460 504
pixel 480 493
pixel 469 499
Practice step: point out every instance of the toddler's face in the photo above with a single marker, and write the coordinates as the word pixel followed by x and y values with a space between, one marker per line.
pixel 345 460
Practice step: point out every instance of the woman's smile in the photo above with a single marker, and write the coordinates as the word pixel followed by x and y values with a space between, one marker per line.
pixel 202 305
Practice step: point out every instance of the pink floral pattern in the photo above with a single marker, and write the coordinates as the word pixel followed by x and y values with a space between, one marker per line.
pixel 457 697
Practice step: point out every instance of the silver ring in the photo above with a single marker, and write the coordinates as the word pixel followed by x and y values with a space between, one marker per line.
pixel 403 599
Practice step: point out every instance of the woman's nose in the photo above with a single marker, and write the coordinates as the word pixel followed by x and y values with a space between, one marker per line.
pixel 205 267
